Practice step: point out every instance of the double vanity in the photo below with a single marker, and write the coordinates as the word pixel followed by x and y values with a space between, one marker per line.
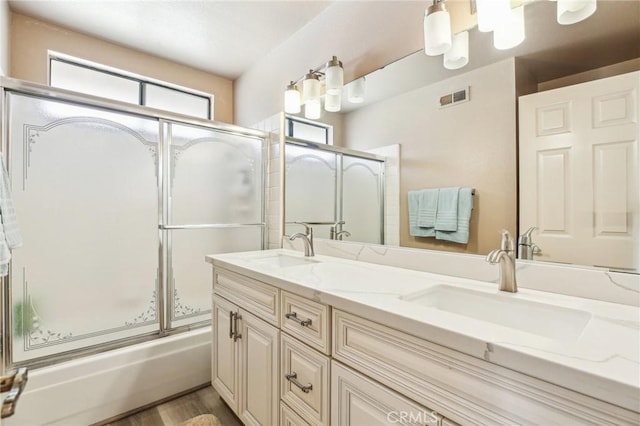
pixel 319 340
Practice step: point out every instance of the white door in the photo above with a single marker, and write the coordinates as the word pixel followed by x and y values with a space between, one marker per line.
pixel 259 361
pixel 578 169
pixel 224 368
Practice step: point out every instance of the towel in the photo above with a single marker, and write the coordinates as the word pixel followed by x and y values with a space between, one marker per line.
pixel 447 215
pixel 414 208
pixel 10 237
pixel 465 205
pixel 427 208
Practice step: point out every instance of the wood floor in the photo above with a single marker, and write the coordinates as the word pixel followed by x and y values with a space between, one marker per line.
pixel 171 413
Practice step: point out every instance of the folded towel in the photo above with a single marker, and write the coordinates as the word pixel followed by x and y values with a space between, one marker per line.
pixel 465 205
pixel 427 208
pixel 10 237
pixel 447 215
pixel 414 207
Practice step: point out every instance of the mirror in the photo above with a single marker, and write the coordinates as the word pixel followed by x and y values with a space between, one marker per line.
pixel 474 143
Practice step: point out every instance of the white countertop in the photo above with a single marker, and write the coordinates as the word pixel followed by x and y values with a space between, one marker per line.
pixel 601 359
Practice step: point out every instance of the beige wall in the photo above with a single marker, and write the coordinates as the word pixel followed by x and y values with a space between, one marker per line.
pixel 31 39
pixel 470 144
pixel 4 37
pixel 364 35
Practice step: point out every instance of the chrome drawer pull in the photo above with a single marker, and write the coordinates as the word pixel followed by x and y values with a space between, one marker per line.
pixel 294 317
pixel 292 378
pixel 16 384
pixel 236 335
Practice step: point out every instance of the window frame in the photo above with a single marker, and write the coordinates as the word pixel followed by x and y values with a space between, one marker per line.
pixel 328 129
pixel 142 81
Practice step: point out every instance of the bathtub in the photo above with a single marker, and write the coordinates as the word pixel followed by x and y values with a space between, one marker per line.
pixel 95 388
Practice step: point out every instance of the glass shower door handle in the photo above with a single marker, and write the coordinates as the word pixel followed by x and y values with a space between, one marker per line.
pixel 14 384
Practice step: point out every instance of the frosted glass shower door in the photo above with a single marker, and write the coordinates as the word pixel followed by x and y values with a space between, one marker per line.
pixel 363 199
pixel 214 182
pixel 85 186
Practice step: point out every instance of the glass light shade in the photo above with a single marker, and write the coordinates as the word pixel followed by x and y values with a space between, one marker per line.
pixel 332 102
pixel 355 91
pixel 490 13
pixel 458 55
pixel 510 32
pixel 437 31
pixel 292 100
pixel 310 88
pixel 572 11
pixel 334 77
pixel 312 109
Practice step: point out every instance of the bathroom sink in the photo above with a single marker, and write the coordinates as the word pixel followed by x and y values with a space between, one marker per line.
pixel 283 260
pixel 506 310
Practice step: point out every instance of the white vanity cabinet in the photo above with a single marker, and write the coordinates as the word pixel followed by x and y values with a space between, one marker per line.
pixel 281 358
pixel 246 356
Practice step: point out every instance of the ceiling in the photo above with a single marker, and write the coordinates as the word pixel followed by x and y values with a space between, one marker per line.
pixel 222 37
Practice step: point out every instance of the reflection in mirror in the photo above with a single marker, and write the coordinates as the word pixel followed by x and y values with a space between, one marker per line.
pixel 475 143
pixel 338 191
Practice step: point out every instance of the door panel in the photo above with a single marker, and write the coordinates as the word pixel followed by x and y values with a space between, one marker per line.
pixel 579 180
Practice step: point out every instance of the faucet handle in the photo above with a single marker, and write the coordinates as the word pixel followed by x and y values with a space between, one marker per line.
pixel 507 243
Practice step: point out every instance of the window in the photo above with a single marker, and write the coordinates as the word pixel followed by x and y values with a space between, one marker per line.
pixel 93 79
pixel 309 131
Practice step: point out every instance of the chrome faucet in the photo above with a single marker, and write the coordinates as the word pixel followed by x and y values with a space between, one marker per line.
pixel 307 238
pixel 526 247
pixel 333 231
pixel 341 234
pixel 506 257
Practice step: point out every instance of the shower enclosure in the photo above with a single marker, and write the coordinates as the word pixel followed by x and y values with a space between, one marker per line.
pixel 333 187
pixel 118 205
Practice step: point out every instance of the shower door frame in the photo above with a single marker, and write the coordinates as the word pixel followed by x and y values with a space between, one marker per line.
pixel 164 119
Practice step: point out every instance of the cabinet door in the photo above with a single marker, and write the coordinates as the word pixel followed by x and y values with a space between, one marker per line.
pixel 224 370
pixel 259 360
pixel 359 401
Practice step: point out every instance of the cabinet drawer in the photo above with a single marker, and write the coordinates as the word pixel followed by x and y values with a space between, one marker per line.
pixel 357 400
pixel 304 384
pixel 307 320
pixel 288 417
pixel 256 297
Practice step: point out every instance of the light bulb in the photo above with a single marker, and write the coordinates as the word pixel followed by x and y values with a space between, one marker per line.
pixel 292 99
pixel 510 31
pixel 334 77
pixel 490 13
pixel 458 55
pixel 355 91
pixel 437 29
pixel 572 11
pixel 310 87
pixel 312 109
pixel 332 102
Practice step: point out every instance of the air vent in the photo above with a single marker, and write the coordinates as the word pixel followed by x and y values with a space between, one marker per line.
pixel 455 97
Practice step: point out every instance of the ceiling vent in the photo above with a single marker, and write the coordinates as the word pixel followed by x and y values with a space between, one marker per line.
pixel 455 97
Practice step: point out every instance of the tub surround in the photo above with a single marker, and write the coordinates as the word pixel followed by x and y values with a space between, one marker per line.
pixel 600 360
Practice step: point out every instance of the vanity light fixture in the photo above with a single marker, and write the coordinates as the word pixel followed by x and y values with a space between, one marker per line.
pixel 437 29
pixel 572 11
pixel 325 82
pixel 458 55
